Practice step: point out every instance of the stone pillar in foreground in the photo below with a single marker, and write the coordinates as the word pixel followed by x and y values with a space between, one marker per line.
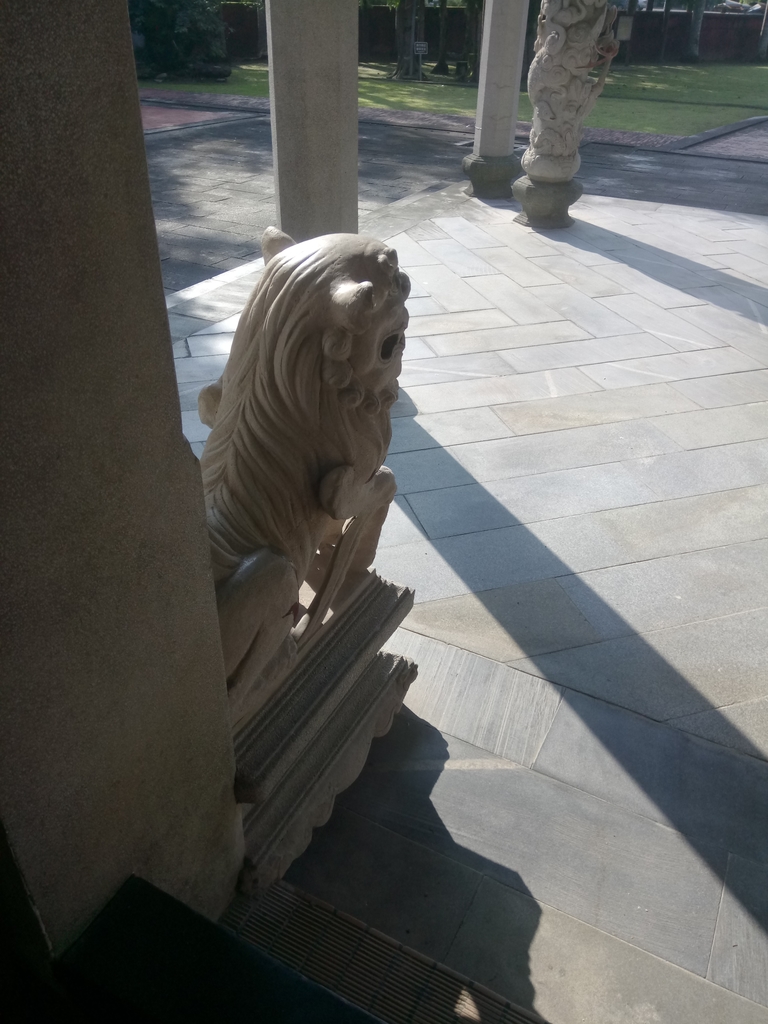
pixel 493 164
pixel 116 748
pixel 313 96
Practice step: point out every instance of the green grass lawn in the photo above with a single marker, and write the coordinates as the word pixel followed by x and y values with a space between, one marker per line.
pixel 667 99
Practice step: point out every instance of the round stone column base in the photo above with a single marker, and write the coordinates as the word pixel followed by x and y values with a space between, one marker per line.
pixel 545 203
pixel 490 176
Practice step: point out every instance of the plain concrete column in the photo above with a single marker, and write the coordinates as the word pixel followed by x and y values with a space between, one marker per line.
pixel 493 164
pixel 116 749
pixel 313 96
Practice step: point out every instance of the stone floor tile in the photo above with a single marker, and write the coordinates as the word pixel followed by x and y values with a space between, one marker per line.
pixel 740 950
pixel 524 272
pixel 409 252
pixel 494 339
pixel 465 232
pixel 448 323
pixel 182 326
pixel 592 409
pixel 673 673
pixel 477 700
pixel 672 271
pixel 755 269
pixel 705 792
pixel 522 306
pixel 506 624
pixel 677 366
pixel 753 304
pixel 649 287
pixel 521 240
pixel 192 428
pixel 458 258
pixel 417 348
pixel 441 369
pixel 401 526
pixel 703 470
pixel 437 890
pixel 447 288
pixel 188 395
pixel 579 353
pixel 726 389
pixel 741 332
pixel 584 311
pixel 647 316
pixel 426 306
pixel 704 428
pixel 226 326
pixel 570 972
pixel 210 344
pixel 591 282
pixel 200 368
pixel 523 387
pixel 459 426
pixel 428 468
pixel 197 448
pixel 562 449
pixel 612 869
pixel 743 725
pixel 528 499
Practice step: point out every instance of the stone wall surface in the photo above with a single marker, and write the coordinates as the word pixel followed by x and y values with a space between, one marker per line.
pixel 116 753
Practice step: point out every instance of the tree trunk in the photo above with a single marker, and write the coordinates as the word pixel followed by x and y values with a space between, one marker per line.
pixel 692 43
pixel 441 67
pixel 665 27
pixel 762 46
pixel 475 76
pixel 403 27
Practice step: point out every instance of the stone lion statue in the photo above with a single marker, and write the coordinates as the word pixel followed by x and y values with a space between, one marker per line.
pixel 294 484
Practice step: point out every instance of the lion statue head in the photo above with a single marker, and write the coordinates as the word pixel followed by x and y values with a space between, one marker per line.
pixel 301 412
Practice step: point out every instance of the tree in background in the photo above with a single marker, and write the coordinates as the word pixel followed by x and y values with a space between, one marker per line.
pixel 694 32
pixel 409 25
pixel 178 36
pixel 441 67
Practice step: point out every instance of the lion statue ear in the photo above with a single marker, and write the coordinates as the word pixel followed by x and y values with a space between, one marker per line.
pixel 274 241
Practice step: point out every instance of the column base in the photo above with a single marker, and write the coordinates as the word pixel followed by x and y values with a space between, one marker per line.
pixel 490 176
pixel 545 203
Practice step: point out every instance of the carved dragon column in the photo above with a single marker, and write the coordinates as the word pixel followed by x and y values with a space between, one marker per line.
pixel 296 495
pixel 574 36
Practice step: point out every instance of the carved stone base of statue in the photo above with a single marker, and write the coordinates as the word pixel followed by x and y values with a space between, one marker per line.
pixel 490 176
pixel 545 203
pixel 311 742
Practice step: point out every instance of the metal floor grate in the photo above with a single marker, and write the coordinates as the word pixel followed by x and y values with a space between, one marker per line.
pixel 391 981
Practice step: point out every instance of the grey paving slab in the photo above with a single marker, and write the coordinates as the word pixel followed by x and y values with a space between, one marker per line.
pixel 677 366
pixel 188 395
pixel 477 700
pixel 183 326
pixel 561 449
pixel 701 790
pixel 457 257
pixel 588 313
pixel 735 329
pixel 401 525
pixel 665 323
pixel 659 592
pixel 441 369
pixel 672 271
pixel 575 973
pixel 580 353
pixel 493 339
pixel 426 468
pixel 458 426
pixel 409 252
pixel 506 624
pixel 447 323
pixel 424 306
pixel 522 271
pixel 615 870
pixel 753 305
pixel 468 234
pixel 593 408
pixel 631 279
pixel 704 470
pixel 529 499
pixel 521 240
pixel 192 428
pixel 740 950
pixel 727 389
pixel 742 725
pixel 522 306
pixel 450 290
pixel 589 281
pixel 378 863
pixel 200 368
pixel 524 387
pixel 671 673
pixel 210 344
pixel 729 425
pixel 417 348
pixel 226 326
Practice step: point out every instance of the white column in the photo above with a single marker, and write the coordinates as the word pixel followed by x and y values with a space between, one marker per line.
pixel 313 96
pixel 493 164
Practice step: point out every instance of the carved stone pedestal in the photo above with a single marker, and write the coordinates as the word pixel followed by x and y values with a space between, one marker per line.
pixel 545 203
pixel 311 742
pixel 490 176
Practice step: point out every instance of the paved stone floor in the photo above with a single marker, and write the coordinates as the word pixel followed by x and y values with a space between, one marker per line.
pixel 572 808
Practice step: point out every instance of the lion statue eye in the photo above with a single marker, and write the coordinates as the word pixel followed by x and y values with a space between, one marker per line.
pixel 388 346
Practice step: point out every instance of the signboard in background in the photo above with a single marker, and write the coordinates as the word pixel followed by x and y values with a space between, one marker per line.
pixel 421 48
pixel 624 28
